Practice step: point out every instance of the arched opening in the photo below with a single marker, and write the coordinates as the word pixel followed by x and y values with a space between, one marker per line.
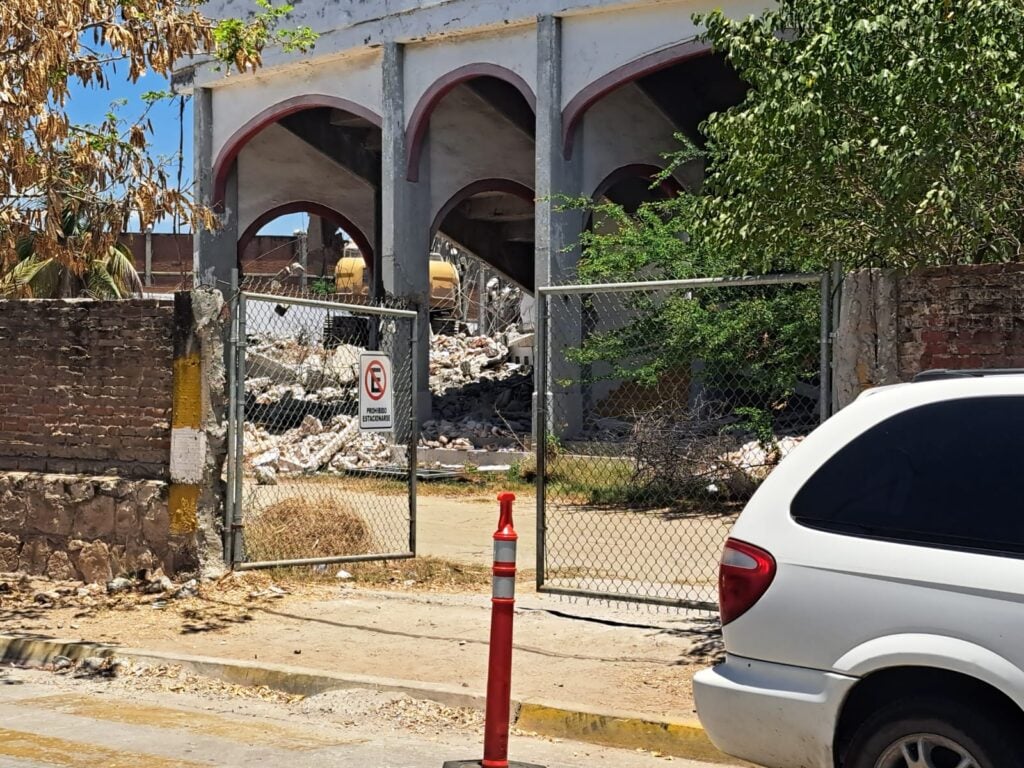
pixel 314 154
pixel 493 219
pixel 499 86
pixel 281 247
pixel 629 119
pixel 486 232
pixel 353 115
pixel 633 185
pixel 687 81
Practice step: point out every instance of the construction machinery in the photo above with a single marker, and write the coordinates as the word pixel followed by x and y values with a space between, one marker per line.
pixel 352 285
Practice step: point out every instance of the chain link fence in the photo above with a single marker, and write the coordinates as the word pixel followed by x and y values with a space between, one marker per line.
pixel 306 485
pixel 664 406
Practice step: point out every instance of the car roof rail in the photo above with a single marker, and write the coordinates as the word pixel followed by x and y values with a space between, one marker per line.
pixel 940 374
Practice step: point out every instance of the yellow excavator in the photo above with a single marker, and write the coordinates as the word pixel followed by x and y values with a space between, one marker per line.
pixel 352 284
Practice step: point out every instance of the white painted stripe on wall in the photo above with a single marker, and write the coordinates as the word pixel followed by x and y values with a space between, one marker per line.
pixel 188 455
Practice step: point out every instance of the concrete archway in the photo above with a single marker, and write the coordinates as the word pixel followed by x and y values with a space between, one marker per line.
pixel 420 119
pixel 234 145
pixel 703 83
pixel 640 172
pixel 324 212
pixel 494 220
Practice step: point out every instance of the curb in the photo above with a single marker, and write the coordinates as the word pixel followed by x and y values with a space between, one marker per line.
pixel 622 730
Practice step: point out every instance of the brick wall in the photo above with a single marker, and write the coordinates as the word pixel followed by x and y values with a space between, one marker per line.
pixel 894 325
pixel 264 255
pixel 85 387
pixel 960 317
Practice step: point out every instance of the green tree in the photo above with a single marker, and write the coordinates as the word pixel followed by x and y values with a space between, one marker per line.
pixel 884 133
pixel 875 133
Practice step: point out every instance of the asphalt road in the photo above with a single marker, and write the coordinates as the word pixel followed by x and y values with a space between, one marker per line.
pixel 47 720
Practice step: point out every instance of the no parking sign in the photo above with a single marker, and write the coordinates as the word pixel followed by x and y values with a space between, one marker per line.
pixel 376 405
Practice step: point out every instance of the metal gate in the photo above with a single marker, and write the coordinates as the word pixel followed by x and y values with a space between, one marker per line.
pixel 305 485
pixel 664 405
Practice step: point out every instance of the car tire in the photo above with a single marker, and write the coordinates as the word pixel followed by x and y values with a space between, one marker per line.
pixel 951 728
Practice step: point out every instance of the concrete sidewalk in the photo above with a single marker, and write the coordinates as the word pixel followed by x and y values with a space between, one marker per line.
pixel 52 720
pixel 578 666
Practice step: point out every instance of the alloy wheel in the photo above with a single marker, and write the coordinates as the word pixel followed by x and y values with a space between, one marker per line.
pixel 926 750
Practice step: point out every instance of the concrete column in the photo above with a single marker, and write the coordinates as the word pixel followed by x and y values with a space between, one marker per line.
pixel 405 220
pixel 215 252
pixel 303 247
pixel 149 256
pixel 558 233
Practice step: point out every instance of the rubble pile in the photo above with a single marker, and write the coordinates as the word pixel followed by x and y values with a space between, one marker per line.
pixel 481 399
pixel 314 446
pixel 301 403
pixel 282 369
pixel 456 361
pixel 741 471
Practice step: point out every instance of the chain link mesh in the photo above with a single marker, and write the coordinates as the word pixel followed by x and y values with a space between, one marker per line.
pixel 313 485
pixel 666 408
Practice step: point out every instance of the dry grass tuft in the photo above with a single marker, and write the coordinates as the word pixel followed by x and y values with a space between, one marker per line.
pixel 296 528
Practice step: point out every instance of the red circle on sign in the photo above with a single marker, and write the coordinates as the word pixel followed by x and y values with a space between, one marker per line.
pixel 382 382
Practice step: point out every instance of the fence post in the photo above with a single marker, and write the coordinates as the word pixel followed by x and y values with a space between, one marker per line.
pixel 837 299
pixel 540 424
pixel 303 237
pixel 414 432
pixel 233 468
pixel 149 256
pixel 825 331
pixel 237 541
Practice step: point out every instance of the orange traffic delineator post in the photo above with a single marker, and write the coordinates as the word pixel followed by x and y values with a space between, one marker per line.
pixel 499 668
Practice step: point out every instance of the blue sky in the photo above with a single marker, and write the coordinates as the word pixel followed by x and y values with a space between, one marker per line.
pixel 92 104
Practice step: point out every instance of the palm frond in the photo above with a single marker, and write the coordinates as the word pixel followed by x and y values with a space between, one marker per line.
pixel 121 267
pixel 25 247
pixel 35 278
pixel 99 284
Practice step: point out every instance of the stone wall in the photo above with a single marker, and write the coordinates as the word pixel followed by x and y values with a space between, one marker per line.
pixel 85 387
pixel 89 528
pixel 894 325
pixel 112 437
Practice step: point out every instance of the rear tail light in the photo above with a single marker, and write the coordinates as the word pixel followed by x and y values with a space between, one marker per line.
pixel 744 576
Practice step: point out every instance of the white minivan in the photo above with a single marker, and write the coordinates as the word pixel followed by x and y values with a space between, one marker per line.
pixel 872 591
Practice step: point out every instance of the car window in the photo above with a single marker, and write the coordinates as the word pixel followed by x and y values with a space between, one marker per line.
pixel 945 474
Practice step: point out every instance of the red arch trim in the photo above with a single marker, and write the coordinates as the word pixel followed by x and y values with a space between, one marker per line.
pixel 229 152
pixel 424 108
pixel 508 186
pixel 645 65
pixel 316 209
pixel 669 187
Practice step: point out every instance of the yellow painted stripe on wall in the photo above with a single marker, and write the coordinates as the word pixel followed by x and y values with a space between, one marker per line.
pixel 182 503
pixel 187 405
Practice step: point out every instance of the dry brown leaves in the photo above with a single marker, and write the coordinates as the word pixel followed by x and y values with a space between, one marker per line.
pixel 103 173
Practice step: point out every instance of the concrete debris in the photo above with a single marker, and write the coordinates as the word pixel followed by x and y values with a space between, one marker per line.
pixel 120 584
pixel 266 475
pixel 456 361
pixel 301 404
pixel 314 447
pixel 741 471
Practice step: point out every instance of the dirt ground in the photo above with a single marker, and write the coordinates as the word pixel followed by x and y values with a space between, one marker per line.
pixel 591 657
pixel 591 548
pixel 427 619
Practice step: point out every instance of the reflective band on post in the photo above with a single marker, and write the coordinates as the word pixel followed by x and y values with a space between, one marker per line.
pixel 503 587
pixel 504 551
